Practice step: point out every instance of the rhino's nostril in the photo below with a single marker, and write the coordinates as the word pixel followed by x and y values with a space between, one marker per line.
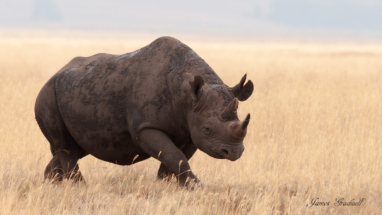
pixel 224 152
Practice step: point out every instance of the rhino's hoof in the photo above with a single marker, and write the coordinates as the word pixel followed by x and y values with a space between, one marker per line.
pixel 194 184
pixel 165 177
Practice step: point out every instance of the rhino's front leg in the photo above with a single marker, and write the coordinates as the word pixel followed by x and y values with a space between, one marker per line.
pixel 158 145
pixel 188 150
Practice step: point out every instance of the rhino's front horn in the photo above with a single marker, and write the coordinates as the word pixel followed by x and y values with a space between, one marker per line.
pixel 244 124
pixel 238 129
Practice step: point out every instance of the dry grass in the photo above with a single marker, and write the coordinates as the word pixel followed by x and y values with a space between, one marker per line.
pixel 315 132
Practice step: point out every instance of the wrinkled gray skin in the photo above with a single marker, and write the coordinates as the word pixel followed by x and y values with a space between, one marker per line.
pixel 161 101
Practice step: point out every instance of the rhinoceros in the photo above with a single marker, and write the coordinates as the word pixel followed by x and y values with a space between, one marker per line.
pixel 161 101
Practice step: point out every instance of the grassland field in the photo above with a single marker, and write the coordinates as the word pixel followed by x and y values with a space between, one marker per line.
pixel 315 132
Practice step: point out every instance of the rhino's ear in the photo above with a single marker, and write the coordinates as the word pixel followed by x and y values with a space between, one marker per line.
pixel 196 85
pixel 241 91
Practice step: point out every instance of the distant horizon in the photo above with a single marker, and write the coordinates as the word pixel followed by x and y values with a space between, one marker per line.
pixel 348 19
pixel 100 34
pixel 268 19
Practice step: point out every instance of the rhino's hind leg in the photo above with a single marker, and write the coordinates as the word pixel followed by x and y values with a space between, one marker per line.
pixel 65 150
pixel 54 170
pixel 64 165
pixel 68 161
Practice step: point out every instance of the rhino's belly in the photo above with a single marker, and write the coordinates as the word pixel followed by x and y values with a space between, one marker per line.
pixel 112 147
pixel 126 155
pixel 100 132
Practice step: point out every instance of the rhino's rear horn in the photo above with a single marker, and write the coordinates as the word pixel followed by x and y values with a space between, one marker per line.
pixel 196 85
pixel 241 91
pixel 244 124
pixel 230 111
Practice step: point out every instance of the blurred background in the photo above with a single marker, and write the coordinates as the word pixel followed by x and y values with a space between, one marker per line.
pixel 243 19
pixel 316 108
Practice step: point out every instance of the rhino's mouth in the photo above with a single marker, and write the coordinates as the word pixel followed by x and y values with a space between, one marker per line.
pixel 229 152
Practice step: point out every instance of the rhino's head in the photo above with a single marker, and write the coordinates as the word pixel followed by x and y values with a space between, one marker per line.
pixel 214 125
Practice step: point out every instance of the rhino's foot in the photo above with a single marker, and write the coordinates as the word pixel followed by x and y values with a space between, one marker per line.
pixel 193 184
pixel 164 173
pixel 57 175
pixel 54 171
pixel 75 176
pixel 165 177
pixel 183 180
pixel 189 184
pixel 53 177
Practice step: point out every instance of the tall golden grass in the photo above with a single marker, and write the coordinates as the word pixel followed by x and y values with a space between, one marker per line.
pixel 315 132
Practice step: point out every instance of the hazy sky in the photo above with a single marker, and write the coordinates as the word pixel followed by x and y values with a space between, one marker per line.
pixel 248 18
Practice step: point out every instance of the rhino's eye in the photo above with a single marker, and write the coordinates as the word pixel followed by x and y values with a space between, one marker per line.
pixel 207 131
